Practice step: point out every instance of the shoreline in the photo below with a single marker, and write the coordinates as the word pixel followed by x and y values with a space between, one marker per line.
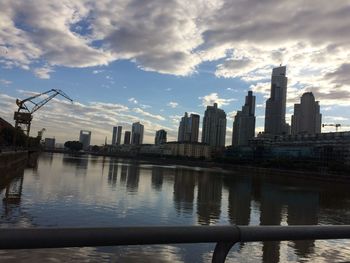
pixel 270 171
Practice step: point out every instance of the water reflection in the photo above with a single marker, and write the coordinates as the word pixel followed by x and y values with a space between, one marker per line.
pixel 135 193
pixel 209 198
pixel 184 185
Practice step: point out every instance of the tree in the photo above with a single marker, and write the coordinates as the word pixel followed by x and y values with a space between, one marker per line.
pixel 74 146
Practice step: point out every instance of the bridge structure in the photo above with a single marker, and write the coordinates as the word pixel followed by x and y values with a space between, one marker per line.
pixel 224 236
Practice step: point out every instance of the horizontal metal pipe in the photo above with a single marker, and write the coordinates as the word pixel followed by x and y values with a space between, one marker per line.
pixel 16 238
pixel 25 238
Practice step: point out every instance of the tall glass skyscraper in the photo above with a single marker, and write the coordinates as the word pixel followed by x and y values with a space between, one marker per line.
pixel 214 126
pixel 275 112
pixel 137 133
pixel 188 128
pixel 244 123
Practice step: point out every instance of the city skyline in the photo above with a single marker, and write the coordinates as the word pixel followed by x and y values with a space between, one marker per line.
pixel 121 74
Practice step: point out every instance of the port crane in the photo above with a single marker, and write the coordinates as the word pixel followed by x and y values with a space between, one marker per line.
pixel 26 107
pixel 336 125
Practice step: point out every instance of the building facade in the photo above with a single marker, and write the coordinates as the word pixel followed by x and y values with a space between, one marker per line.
pixel 117 135
pixel 127 136
pixel 161 137
pixel 189 128
pixel 85 138
pixel 186 149
pixel 244 122
pixel 275 112
pixel 214 126
pixel 307 118
pixel 137 133
pixel 50 143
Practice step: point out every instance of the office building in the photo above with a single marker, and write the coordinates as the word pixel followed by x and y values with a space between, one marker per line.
pixel 307 117
pixel 85 139
pixel 189 128
pixel 127 136
pixel 214 126
pixel 160 137
pixel 244 122
pixel 117 135
pixel 275 112
pixel 137 133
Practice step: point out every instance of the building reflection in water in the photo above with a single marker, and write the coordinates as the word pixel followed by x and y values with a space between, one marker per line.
pixel 209 198
pixel 112 173
pixel 132 181
pixel 123 174
pixel 80 162
pixel 12 188
pixel 157 177
pixel 302 209
pixel 184 184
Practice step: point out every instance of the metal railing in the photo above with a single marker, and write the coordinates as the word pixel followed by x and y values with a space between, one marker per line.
pixel 224 236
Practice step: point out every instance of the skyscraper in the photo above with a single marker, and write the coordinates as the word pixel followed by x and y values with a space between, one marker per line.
pixel 244 123
pixel 214 126
pixel 189 128
pixel 127 136
pixel 85 138
pixel 160 137
pixel 117 135
pixel 137 133
pixel 307 117
pixel 275 112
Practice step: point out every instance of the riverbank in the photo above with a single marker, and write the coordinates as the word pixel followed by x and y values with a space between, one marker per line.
pixel 13 163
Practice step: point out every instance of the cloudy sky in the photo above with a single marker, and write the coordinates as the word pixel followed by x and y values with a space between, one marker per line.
pixel 150 61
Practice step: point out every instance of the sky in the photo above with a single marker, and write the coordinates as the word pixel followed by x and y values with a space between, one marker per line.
pixel 123 61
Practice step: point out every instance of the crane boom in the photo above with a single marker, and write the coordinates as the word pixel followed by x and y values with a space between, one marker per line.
pixel 26 107
pixel 336 125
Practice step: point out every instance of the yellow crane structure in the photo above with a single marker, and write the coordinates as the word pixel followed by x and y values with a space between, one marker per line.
pixel 26 107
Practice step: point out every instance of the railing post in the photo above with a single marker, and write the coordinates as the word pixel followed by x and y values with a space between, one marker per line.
pixel 221 250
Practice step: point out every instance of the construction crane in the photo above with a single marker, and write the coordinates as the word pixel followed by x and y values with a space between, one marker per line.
pixel 23 116
pixel 337 125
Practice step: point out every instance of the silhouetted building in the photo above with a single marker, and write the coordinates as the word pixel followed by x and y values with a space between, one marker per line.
pixel 85 139
pixel 137 133
pixel 275 112
pixel 50 143
pixel 307 117
pixel 127 136
pixel 189 128
pixel 117 135
pixel 160 137
pixel 214 126
pixel 244 123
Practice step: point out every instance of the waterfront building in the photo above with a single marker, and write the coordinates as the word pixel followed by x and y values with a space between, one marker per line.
pixel 189 128
pixel 244 122
pixel 127 136
pixel 275 112
pixel 117 135
pixel 214 126
pixel 50 143
pixel 187 149
pixel 137 133
pixel 307 117
pixel 160 137
pixel 85 138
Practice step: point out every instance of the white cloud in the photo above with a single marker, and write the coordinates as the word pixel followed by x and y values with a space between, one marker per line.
pixel 133 100
pixel 173 104
pixel 43 73
pixel 212 98
pixel 5 82
pixel 147 114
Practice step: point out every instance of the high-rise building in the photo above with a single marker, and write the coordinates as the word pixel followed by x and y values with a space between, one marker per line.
pixel 189 128
pixel 160 137
pixel 117 135
pixel 244 123
pixel 275 112
pixel 85 139
pixel 127 136
pixel 307 117
pixel 137 133
pixel 214 126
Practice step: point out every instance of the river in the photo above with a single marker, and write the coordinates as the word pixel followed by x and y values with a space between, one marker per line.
pixel 89 191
